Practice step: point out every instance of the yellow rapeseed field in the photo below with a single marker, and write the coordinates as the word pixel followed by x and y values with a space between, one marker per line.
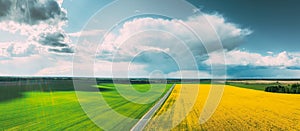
pixel 239 109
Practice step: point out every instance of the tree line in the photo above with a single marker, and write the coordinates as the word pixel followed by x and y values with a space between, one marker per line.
pixel 293 88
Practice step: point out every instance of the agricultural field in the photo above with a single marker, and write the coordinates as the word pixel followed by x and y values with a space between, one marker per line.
pixel 53 105
pixel 254 86
pixel 239 109
pixel 276 86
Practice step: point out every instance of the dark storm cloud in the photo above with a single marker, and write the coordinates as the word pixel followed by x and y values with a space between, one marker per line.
pixel 56 42
pixel 31 11
pixel 4 7
pixel 251 71
pixel 154 59
pixel 62 50
pixel 53 39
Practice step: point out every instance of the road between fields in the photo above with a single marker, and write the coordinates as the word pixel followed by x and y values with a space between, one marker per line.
pixel 140 125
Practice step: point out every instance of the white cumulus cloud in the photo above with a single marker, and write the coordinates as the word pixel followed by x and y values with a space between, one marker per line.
pixel 244 58
pixel 230 34
pixel 135 38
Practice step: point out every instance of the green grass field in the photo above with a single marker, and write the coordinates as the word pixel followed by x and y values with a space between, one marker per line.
pixel 54 106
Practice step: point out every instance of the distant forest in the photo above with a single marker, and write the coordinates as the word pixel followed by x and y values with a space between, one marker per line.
pixel 291 88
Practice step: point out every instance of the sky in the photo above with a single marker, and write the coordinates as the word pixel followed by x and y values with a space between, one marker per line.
pixel 170 39
pixel 275 23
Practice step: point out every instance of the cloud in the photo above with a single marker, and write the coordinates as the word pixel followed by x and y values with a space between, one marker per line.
pixel 56 39
pixel 261 72
pixel 25 65
pixel 145 40
pixel 189 74
pixel 230 34
pixel 58 42
pixel 61 68
pixel 119 69
pixel 156 60
pixel 37 65
pixel 244 64
pixel 32 12
pixel 244 58
pixel 166 45
pixel 270 52
pixel 41 21
pixel 17 49
pixel 62 50
pixel 4 7
pixel 87 33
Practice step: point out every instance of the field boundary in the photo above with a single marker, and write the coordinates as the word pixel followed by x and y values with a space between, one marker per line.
pixel 140 125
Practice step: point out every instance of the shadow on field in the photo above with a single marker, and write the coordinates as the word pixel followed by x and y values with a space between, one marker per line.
pixel 10 90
